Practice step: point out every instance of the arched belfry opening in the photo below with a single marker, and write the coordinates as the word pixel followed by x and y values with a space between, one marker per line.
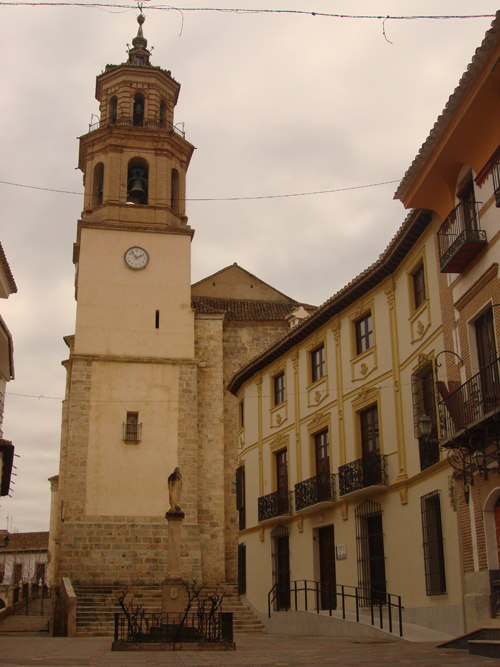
pixel 113 110
pixel 174 191
pixel 137 181
pixel 163 114
pixel 98 185
pixel 138 110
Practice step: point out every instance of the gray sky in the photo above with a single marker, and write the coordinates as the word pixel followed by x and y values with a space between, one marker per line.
pixel 274 103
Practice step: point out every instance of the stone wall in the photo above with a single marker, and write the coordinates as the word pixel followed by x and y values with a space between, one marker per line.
pixel 242 341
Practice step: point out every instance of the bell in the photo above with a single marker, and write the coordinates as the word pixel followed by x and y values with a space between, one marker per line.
pixel 137 190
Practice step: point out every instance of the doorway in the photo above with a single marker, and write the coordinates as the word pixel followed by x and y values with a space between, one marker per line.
pixel 327 574
pixel 281 567
pixel 370 552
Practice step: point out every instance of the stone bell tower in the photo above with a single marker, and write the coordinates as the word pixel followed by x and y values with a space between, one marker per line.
pixel 130 410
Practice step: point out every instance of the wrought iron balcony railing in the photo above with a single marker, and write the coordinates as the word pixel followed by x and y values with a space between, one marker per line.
pixel 132 432
pixel 472 402
pixel 315 490
pixel 460 238
pixel 279 503
pixel 371 470
pixel 131 121
pixel 429 451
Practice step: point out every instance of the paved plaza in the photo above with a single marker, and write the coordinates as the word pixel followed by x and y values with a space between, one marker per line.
pixel 252 650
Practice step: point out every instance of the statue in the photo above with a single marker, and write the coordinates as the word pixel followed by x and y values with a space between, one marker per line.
pixel 174 490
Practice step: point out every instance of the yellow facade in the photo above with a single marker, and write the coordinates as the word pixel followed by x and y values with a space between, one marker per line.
pixel 404 339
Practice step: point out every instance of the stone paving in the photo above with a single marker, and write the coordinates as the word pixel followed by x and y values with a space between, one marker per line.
pixel 252 651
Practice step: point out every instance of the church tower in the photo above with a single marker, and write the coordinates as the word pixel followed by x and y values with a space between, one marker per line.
pixel 130 410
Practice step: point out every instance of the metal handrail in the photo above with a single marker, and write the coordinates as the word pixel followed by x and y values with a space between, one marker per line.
pixel 318 489
pixel 363 597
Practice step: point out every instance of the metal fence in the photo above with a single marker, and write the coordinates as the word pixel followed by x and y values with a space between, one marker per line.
pixel 174 628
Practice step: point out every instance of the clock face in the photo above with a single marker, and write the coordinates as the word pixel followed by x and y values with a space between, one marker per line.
pixel 136 258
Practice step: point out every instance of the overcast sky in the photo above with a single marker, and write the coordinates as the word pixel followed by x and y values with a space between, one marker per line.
pixel 275 104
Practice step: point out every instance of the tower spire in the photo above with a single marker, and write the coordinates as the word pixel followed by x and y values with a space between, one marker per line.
pixel 139 53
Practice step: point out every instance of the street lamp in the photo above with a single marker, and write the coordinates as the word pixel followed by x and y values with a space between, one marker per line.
pixel 425 424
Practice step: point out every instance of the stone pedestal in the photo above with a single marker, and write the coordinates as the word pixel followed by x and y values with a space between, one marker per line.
pixel 173 590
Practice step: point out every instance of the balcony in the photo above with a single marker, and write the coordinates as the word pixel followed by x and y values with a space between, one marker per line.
pixel 318 489
pixel 460 238
pixel 358 476
pixel 132 432
pixel 123 121
pixel 274 505
pixel 474 404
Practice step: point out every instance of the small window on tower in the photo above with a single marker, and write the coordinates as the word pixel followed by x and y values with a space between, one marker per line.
pixel 137 182
pixel 163 114
pixel 113 109
pixel 138 110
pixel 131 428
pixel 174 191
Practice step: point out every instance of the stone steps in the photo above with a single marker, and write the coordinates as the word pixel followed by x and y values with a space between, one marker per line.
pixel 97 605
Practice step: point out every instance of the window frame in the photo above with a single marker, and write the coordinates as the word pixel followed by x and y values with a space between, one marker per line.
pixel 433 544
pixel 364 339
pixel 365 442
pixel 279 388
pixel 317 362
pixel 419 290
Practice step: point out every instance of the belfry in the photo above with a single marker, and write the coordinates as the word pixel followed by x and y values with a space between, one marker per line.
pixel 150 356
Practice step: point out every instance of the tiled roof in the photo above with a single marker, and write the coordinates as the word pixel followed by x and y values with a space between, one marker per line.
pixel 411 229
pixel 246 309
pixel 28 541
pixel 480 56
pixel 5 266
pixel 250 275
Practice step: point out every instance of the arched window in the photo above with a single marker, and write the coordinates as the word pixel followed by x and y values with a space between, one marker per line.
pixel 163 114
pixel 137 181
pixel 138 110
pixel 98 185
pixel 174 191
pixel 113 109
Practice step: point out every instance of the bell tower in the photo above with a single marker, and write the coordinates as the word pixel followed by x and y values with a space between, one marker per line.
pixel 129 414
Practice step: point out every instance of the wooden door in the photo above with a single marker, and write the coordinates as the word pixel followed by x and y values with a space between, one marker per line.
pixel 327 573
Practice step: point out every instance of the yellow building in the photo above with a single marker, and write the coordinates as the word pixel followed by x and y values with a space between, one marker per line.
pixel 336 485
pixel 457 176
pixel 150 356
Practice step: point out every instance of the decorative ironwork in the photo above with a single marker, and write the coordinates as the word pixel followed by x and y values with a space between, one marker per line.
pixel 460 230
pixel 123 121
pixel 428 448
pixel 495 170
pixel 132 432
pixel 371 470
pixel 279 503
pixel 471 402
pixel 167 628
pixel 315 490
pixel 370 552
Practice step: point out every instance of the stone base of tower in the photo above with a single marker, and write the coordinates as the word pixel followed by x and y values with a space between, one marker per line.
pixel 124 551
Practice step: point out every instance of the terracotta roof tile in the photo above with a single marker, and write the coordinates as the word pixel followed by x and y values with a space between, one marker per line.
pixel 246 309
pixel 5 266
pixel 28 541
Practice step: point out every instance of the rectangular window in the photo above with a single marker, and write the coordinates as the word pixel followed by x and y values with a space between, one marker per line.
pixel 40 573
pixel 132 428
pixel 364 334
pixel 322 453
pixel 240 496
pixel 318 363
pixel 435 580
pixel 419 293
pixel 18 573
pixel 241 413
pixel 242 569
pixel 424 403
pixel 279 388
pixel 370 441
pixel 282 481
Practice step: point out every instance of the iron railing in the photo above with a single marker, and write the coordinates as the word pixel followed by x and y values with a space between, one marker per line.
pixel 132 432
pixel 279 503
pixel 460 227
pixel 174 628
pixel 370 470
pixel 124 121
pixel 471 402
pixel 307 595
pixel 315 490
pixel 429 451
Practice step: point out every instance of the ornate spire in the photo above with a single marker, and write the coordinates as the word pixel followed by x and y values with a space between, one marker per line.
pixel 139 54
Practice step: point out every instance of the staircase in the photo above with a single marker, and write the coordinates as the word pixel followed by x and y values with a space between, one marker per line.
pixel 32 623
pixel 96 606
pixel 485 642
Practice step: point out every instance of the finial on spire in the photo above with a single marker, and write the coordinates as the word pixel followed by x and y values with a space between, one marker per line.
pixel 139 54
